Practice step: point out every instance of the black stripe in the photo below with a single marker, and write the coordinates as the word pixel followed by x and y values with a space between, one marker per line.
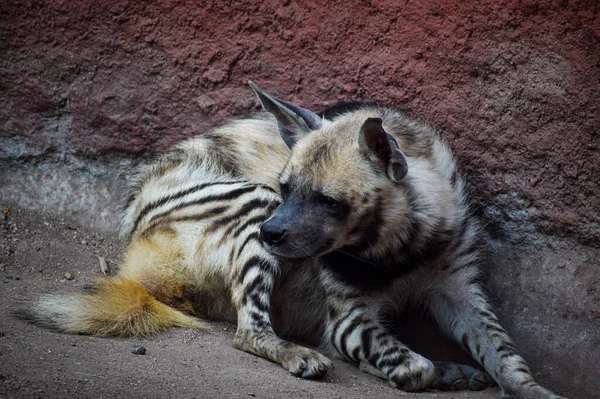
pixel 373 359
pixel 484 313
pixel 390 351
pixel 334 333
pixel 357 322
pixel 252 236
pixel 333 313
pixel 158 221
pixel 522 362
pixel 252 221
pixel 358 306
pixel 258 219
pixel 258 284
pixel 200 216
pixel 507 354
pixel 231 256
pixel 460 233
pixel 255 299
pixel 229 195
pixel 365 338
pixel 260 320
pixel 506 347
pixel 454 177
pixel 340 321
pixel 391 361
pixel 254 261
pixel 494 328
pixel 268 188
pixel 249 206
pixel 154 204
pixel 356 352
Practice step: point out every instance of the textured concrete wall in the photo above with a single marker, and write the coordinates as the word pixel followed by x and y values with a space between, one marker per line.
pixel 514 86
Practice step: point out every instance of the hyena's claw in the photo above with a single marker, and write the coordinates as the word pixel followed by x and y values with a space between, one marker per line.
pixel 459 385
pixel 305 363
pixel 459 377
pixel 478 380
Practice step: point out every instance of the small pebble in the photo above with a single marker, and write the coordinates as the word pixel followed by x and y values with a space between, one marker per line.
pixel 69 276
pixel 138 350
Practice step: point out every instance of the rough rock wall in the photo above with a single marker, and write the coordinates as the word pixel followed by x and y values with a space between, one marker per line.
pixel 514 86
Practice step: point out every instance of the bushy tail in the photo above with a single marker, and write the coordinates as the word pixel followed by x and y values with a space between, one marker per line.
pixel 116 306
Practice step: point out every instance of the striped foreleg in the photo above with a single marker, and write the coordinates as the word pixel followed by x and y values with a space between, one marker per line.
pixel 354 332
pixel 252 298
pixel 462 310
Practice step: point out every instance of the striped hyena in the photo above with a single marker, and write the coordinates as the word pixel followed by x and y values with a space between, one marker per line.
pixel 311 237
pixel 378 197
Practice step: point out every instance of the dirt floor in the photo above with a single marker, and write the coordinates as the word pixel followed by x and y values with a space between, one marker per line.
pixel 43 253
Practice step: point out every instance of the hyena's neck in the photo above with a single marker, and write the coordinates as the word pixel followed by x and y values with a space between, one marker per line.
pixel 415 223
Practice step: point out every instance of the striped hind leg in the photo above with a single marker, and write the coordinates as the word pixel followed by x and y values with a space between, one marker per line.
pixel 252 297
pixel 462 310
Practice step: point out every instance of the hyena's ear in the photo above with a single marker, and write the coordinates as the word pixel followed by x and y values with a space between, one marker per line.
pixel 294 122
pixel 376 143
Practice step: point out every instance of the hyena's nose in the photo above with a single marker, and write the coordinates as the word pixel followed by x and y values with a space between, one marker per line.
pixel 271 234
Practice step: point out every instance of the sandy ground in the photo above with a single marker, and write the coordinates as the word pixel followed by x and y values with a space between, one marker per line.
pixel 40 253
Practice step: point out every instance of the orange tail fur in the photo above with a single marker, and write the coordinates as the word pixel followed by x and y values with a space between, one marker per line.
pixel 116 306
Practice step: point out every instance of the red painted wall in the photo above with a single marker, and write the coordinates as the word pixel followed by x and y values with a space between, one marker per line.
pixel 513 85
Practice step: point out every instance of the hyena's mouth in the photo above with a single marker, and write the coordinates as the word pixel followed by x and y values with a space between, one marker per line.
pixel 285 252
pixel 288 248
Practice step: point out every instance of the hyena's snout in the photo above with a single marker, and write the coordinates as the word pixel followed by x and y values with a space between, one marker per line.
pixel 293 231
pixel 272 233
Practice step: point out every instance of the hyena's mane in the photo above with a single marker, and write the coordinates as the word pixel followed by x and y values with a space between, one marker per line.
pixel 438 230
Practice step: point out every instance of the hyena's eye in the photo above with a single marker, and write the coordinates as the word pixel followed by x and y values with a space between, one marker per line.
pixel 328 201
pixel 284 188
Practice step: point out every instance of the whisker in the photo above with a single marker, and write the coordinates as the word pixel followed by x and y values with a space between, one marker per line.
pixel 356 257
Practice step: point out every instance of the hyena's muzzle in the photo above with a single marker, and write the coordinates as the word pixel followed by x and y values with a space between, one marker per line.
pixel 299 229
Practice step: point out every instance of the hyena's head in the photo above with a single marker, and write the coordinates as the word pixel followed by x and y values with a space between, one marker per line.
pixel 337 183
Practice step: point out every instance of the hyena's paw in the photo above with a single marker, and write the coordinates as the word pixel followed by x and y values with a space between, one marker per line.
pixel 459 377
pixel 304 362
pixel 414 373
pixel 530 390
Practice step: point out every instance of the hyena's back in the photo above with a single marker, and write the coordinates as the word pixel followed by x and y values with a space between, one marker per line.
pixel 247 149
